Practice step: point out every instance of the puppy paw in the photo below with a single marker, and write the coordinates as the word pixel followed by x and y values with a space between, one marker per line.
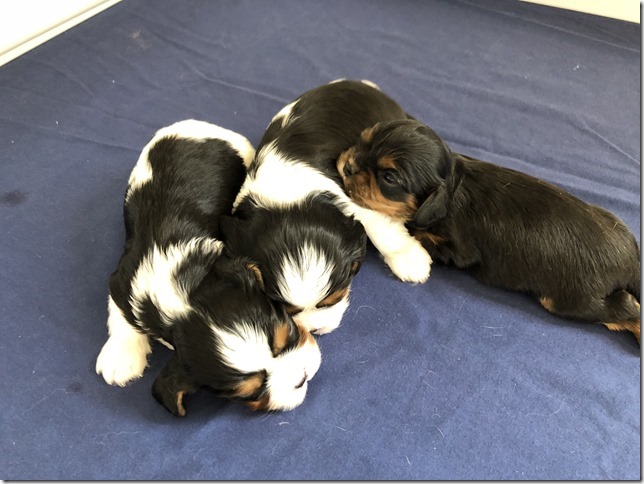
pixel 121 361
pixel 411 265
pixel 324 330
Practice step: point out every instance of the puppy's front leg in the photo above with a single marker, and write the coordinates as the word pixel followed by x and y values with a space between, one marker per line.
pixel 404 254
pixel 125 354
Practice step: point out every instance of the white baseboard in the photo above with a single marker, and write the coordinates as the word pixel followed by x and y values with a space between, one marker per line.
pixel 25 24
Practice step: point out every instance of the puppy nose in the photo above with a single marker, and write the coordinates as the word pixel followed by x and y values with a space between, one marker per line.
pixel 301 384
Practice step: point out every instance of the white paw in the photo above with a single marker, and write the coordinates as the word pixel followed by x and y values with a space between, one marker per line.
pixel 410 265
pixel 324 330
pixel 122 360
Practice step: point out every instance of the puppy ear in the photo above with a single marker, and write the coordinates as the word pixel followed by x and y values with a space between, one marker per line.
pixel 355 267
pixel 254 268
pixel 433 209
pixel 170 387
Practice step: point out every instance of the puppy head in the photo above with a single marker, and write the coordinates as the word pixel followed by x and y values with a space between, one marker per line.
pixel 308 255
pixel 237 343
pixel 400 168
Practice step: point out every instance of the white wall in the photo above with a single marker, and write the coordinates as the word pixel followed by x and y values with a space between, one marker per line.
pixel 628 10
pixel 25 24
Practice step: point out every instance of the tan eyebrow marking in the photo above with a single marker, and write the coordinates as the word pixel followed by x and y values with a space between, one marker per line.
pixel 387 163
pixel 261 404
pixel 333 298
pixel 367 134
pixel 305 336
pixel 280 338
pixel 249 385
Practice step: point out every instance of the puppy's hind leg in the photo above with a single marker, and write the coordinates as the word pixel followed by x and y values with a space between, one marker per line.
pixel 619 311
pixel 125 353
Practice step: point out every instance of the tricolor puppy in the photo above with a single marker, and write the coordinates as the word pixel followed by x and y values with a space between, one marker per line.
pixel 294 220
pixel 176 283
pixel 510 229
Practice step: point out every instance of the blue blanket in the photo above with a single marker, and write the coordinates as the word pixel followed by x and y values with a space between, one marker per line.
pixel 446 380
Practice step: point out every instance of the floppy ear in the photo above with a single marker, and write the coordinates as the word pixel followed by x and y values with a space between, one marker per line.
pixel 433 209
pixel 170 387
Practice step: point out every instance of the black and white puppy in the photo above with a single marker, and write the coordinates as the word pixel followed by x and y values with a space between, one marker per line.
pixel 176 283
pixel 510 229
pixel 294 220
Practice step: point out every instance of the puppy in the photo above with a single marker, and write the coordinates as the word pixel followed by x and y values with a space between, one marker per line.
pixel 176 283
pixel 292 217
pixel 509 229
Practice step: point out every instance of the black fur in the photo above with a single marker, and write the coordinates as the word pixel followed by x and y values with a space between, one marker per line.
pixel 324 122
pixel 510 229
pixel 194 183
pixel 280 231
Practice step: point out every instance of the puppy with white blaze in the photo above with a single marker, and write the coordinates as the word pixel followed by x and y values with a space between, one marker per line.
pixel 293 219
pixel 178 284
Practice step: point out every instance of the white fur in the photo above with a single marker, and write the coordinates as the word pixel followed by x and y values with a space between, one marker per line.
pixel 124 355
pixel 281 182
pixel 249 351
pixel 285 113
pixel 304 280
pixel 287 372
pixel 155 278
pixel 370 83
pixel 322 320
pixel 404 254
pixel 199 130
pixel 245 349
pixel 189 129
pixel 141 173
pixel 337 80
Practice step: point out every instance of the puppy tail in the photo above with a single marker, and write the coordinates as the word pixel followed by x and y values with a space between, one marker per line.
pixel 622 311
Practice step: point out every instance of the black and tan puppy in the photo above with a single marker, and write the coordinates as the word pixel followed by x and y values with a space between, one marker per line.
pixel 509 229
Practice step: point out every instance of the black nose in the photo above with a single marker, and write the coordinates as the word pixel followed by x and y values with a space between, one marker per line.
pixel 301 384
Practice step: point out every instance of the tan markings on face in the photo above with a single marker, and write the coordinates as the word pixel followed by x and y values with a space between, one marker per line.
pixel 364 190
pixel 180 408
pixel 387 163
pixel 429 238
pixel 280 338
pixel 254 268
pixel 367 134
pixel 249 385
pixel 291 310
pixel 334 298
pixel 261 404
pixel 305 336
pixel 547 303
pixel 344 158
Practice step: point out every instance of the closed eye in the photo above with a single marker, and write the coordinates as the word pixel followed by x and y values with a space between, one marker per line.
pixel 292 310
pixel 334 298
pixel 389 177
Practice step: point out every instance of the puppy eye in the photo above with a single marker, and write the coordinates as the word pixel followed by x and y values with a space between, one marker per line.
pixel 389 178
